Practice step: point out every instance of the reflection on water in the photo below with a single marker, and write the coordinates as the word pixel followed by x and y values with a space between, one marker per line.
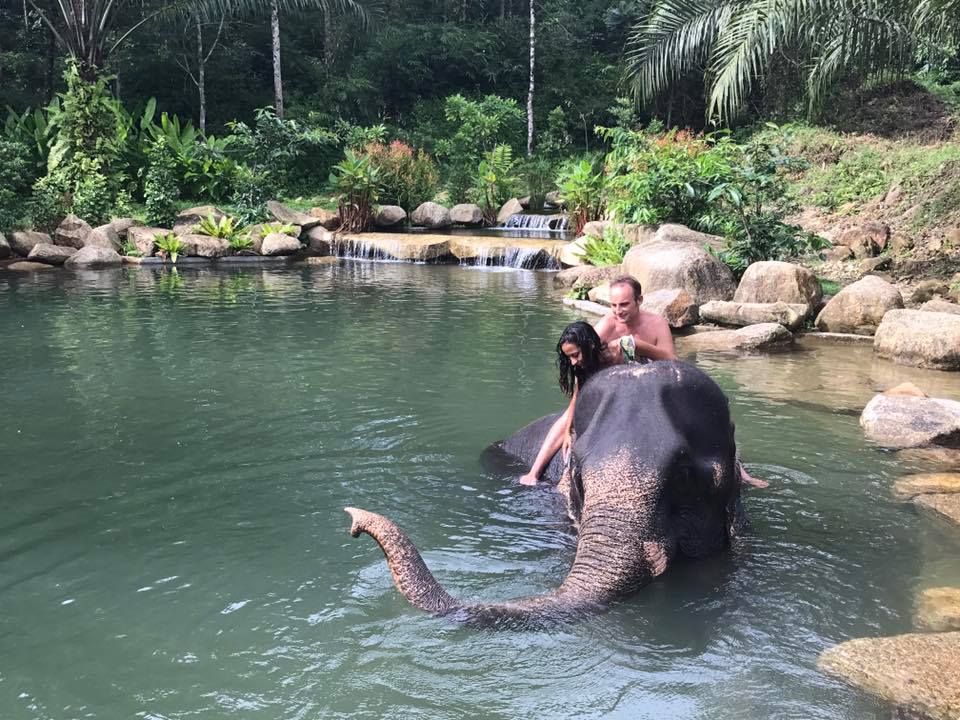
pixel 180 448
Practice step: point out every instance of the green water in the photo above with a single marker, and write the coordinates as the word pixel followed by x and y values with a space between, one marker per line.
pixel 177 451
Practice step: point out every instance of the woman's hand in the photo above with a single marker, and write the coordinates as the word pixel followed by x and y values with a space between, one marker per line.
pixel 566 447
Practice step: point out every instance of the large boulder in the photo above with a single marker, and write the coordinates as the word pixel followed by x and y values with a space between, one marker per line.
pixel 665 264
pixel 388 216
pixel 320 240
pixel 259 231
pixel 196 245
pixel 104 236
pixel 938 609
pixel 571 254
pixel 431 215
pixel 859 307
pixel 568 277
pixel 328 220
pixel 122 225
pixel 743 314
pixel 675 305
pixel 592 276
pixel 51 254
pixel 71 232
pixel 289 216
pixel 673 232
pixel 631 232
pixel 510 207
pixel 772 281
pixel 93 256
pixel 277 244
pixel 941 483
pixel 918 672
pixel 466 214
pixel 5 250
pixel 920 338
pixel 751 338
pixel 187 220
pixel 903 421
pixel 22 241
pixel 144 238
pixel 941 306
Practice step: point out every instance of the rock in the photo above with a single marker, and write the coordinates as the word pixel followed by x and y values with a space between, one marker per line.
pixel 945 505
pixel 871 265
pixel 431 215
pixel 568 277
pixel 600 294
pixel 326 260
pixel 196 245
pixel 28 266
pixel 571 254
pixel 288 216
pixel 93 256
pixel 907 389
pixel 894 196
pixel 5 250
pixel 674 304
pixel 920 338
pixel 415 247
pixel 510 207
pixel 772 281
pixel 466 214
pixel 186 221
pixel 743 314
pixel 938 609
pixel 553 198
pixel 277 244
pixel 104 236
pixel 388 216
pixel 71 232
pixel 945 459
pixel 941 306
pixel 330 220
pixel 259 231
pixel 840 252
pixel 899 243
pixel 515 252
pixel 672 232
pixel 122 225
pixel 753 337
pixel 596 228
pixel 859 307
pixel 897 421
pixel 593 276
pixel 143 238
pixel 666 265
pixel 865 240
pixel 634 233
pixel 927 484
pixel 51 254
pixel 919 672
pixel 926 289
pixel 320 240
pixel 22 241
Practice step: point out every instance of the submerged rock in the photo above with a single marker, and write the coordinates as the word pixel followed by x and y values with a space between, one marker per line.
pixel 910 486
pixel 918 672
pixel 772 281
pixel 325 260
pixel 743 314
pixel 51 254
pixel 753 337
pixel 920 338
pixel 666 265
pixel 938 609
pixel 900 421
pixel 28 266
pixel 944 505
pixel 859 307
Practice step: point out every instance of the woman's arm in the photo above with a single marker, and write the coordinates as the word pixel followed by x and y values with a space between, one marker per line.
pixel 555 439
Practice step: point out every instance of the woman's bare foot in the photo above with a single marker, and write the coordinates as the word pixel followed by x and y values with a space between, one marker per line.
pixel 528 479
pixel 750 480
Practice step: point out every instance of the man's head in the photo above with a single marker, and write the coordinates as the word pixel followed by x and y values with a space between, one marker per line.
pixel 625 298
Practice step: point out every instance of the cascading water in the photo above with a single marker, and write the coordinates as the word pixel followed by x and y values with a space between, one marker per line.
pixel 537 223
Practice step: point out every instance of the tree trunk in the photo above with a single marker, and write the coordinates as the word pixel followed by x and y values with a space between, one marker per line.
pixel 533 46
pixel 201 78
pixel 275 37
pixel 329 51
pixel 503 8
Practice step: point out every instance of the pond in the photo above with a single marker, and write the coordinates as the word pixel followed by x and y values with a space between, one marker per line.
pixel 178 449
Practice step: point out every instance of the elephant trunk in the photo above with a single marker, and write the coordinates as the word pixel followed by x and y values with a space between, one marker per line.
pixel 601 572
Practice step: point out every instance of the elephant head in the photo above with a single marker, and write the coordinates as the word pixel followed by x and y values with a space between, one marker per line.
pixel 652 475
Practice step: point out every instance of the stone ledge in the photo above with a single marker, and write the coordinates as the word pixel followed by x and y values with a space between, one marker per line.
pixel 832 338
pixel 943 505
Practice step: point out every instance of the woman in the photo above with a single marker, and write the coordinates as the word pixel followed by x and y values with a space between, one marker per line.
pixel 580 355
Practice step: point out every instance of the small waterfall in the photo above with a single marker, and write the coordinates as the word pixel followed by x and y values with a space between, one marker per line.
pixel 358 250
pixel 537 223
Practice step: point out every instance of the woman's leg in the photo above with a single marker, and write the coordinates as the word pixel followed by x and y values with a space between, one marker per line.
pixel 551 443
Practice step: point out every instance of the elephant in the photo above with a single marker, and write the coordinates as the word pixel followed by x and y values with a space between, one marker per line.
pixel 652 475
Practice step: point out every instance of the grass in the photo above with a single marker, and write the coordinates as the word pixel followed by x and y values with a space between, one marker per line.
pixel 829 287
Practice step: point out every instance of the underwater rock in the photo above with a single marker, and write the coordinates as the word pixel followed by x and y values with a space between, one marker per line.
pixel 938 609
pixel 918 672
pixel 925 484
pixel 901 421
pixel 943 505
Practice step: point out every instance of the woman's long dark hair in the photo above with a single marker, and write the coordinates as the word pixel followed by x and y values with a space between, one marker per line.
pixel 582 335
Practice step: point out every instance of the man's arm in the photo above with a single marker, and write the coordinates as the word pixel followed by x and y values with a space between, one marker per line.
pixel 663 349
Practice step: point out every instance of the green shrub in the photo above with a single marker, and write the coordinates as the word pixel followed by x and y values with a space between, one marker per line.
pixel 538 175
pixel 495 180
pixel 356 180
pixel 249 196
pixel 168 246
pixel 161 190
pixel 406 178
pixel 17 175
pixel 606 250
pixel 582 189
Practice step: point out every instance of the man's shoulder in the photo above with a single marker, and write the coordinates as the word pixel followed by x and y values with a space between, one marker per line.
pixel 604 326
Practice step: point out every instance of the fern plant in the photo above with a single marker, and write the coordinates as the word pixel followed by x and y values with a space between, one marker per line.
pixel 224 228
pixel 169 246
pixel 495 180
pixel 241 241
pixel 606 250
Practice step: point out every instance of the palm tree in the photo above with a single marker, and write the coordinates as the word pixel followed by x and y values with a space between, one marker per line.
pixel 735 42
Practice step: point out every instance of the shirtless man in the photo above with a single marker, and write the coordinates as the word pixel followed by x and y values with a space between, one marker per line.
pixel 650 331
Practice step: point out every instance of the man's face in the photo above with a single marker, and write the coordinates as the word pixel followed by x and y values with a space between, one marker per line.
pixel 624 306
